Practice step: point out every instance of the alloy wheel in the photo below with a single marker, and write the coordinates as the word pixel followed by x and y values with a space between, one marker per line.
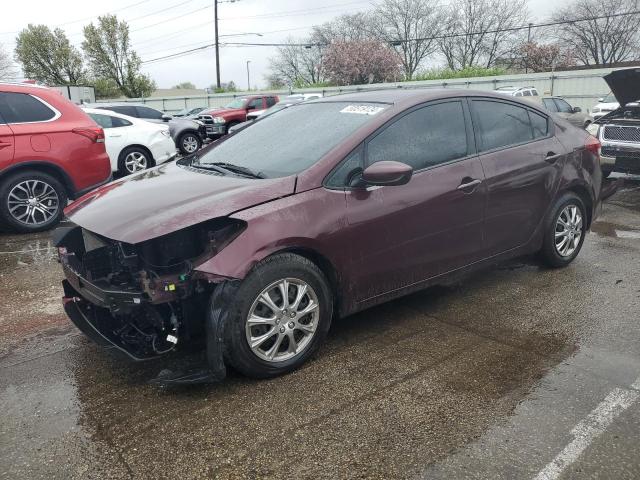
pixel 135 162
pixel 33 202
pixel 568 231
pixel 282 320
pixel 190 144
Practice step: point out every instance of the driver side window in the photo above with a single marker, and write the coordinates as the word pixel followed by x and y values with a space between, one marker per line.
pixel 256 104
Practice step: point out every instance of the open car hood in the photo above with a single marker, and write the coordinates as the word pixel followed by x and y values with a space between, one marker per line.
pixel 169 198
pixel 625 85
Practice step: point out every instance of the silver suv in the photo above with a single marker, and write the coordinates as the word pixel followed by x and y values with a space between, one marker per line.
pixel 518 91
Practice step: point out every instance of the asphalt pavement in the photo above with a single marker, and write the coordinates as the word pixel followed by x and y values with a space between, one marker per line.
pixel 516 372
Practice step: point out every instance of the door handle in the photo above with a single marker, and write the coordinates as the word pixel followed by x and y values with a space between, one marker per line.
pixel 4 144
pixel 469 185
pixel 552 157
pixel 114 136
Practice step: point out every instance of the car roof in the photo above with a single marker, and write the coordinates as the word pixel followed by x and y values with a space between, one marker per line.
pixel 102 111
pixel 102 105
pixel 408 97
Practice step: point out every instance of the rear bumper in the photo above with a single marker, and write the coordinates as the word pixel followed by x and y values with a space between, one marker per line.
pixel 79 193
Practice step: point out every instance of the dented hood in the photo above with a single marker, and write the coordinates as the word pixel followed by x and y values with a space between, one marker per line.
pixel 625 85
pixel 167 199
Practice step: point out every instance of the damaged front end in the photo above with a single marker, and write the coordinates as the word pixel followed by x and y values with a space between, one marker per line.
pixel 144 299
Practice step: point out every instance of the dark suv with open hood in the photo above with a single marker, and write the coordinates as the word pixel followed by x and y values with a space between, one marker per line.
pixel 619 130
pixel 331 206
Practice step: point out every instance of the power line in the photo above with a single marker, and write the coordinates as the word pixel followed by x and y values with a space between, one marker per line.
pixel 449 35
pixel 437 37
pixel 291 13
pixel 86 18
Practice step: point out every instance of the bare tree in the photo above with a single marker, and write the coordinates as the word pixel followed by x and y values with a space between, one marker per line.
pixel 601 41
pixel 410 25
pixel 346 28
pixel 7 67
pixel 297 63
pixel 478 32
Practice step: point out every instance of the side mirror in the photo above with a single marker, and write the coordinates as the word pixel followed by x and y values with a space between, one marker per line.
pixel 251 107
pixel 577 109
pixel 600 100
pixel 387 173
pixel 166 118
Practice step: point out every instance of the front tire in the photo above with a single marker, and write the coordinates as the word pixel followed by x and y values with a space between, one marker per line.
pixel 31 202
pixel 279 316
pixel 565 231
pixel 189 143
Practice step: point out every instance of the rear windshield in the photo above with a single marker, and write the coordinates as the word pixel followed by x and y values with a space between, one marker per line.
pixel 294 139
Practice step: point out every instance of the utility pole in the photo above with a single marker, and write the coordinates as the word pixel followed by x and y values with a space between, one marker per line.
pixel 215 13
pixel 526 62
pixel 248 80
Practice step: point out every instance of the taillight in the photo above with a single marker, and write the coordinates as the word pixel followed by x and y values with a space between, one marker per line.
pixel 95 134
pixel 593 145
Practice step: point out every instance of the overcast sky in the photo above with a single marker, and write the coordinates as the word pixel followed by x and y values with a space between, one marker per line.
pixel 164 27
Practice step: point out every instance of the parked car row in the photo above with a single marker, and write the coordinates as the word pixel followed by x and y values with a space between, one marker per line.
pixel 556 105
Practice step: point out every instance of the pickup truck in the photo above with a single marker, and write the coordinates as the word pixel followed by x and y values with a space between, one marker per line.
pixel 217 121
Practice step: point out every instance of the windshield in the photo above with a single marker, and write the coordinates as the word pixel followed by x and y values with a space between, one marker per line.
pixel 296 138
pixel 609 99
pixel 237 103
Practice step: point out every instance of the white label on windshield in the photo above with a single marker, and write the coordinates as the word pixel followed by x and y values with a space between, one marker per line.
pixel 362 109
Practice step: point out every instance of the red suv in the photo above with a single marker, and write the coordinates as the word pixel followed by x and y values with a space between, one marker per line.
pixel 218 121
pixel 50 151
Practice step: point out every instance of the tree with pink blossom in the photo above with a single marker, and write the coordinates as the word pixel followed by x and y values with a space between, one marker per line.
pixel 359 62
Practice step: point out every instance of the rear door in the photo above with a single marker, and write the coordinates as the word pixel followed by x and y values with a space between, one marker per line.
pixel 522 163
pixel 566 111
pixel 405 234
pixel 7 146
pixel 116 135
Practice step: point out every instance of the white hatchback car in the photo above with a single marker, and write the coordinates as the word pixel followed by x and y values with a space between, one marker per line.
pixel 133 144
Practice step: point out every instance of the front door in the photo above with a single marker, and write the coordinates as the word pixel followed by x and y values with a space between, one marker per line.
pixel 402 235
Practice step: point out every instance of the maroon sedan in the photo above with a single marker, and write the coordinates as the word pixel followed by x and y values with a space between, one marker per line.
pixel 256 243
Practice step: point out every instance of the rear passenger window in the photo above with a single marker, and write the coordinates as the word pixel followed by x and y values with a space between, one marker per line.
pixel 122 109
pixel 423 138
pixel 23 108
pixel 539 124
pixel 549 104
pixel 527 93
pixel 501 124
pixel 150 113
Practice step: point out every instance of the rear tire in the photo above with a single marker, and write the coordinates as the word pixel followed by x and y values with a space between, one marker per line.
pixel 565 230
pixel 134 160
pixel 304 332
pixel 232 124
pixel 31 201
pixel 189 143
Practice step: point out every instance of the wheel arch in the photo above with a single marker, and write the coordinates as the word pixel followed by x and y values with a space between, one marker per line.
pixel 583 193
pixel 44 167
pixel 325 266
pixel 135 145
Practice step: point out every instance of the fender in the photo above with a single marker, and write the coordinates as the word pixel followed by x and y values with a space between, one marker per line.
pixel 44 165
